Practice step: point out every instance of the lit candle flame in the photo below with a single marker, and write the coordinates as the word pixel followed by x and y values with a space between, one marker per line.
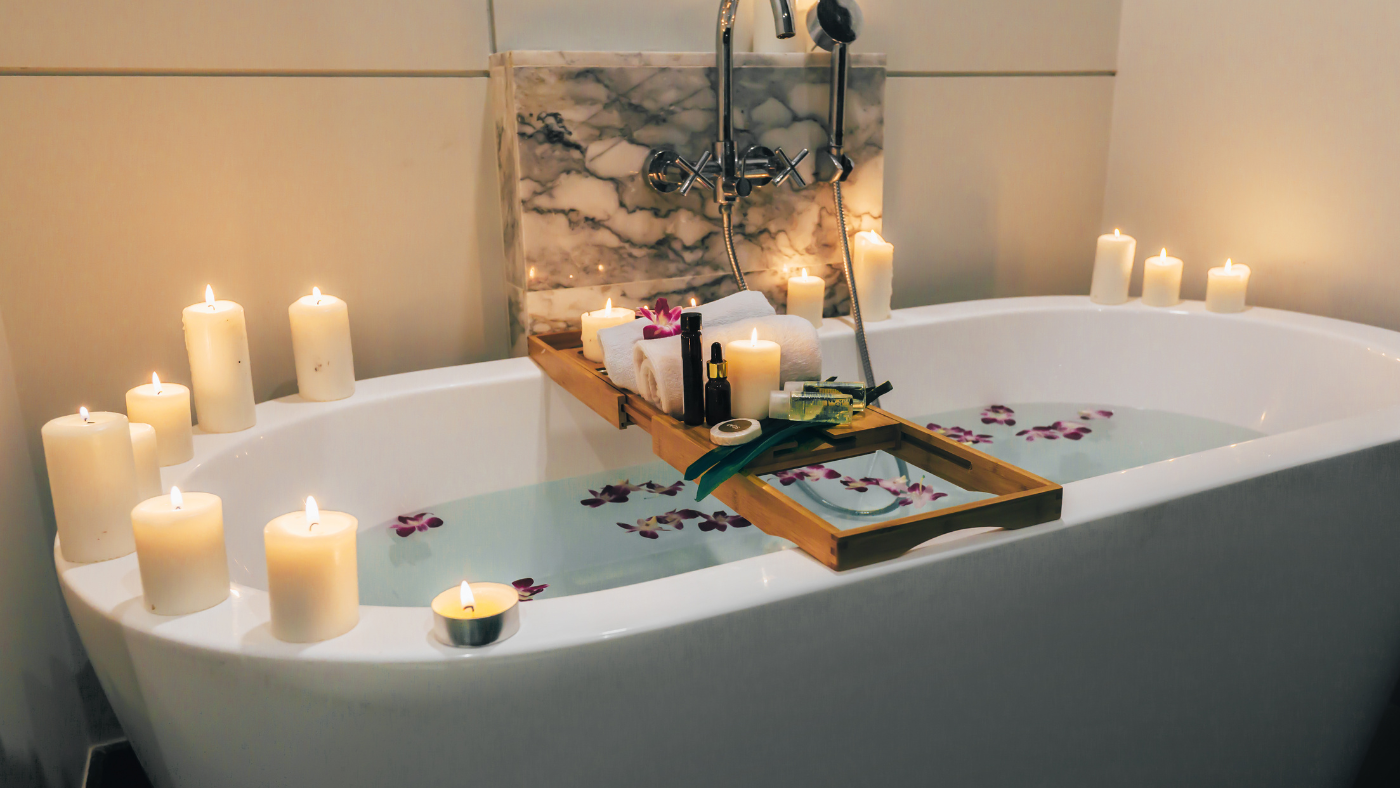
pixel 1164 254
pixel 753 340
pixel 608 308
pixel 1115 231
pixel 313 512
pixel 1227 265
pixel 316 294
pixel 176 499
pixel 692 302
pixel 84 413
pixel 532 272
pixel 468 599
pixel 804 271
pixel 155 381
pixel 209 296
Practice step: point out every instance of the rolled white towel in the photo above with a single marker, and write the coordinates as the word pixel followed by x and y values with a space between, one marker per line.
pixel 658 361
pixel 618 341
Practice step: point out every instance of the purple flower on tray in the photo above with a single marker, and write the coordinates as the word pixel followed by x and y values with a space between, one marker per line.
pixel 525 587
pixel 961 435
pixel 1089 415
pixel 665 320
pixel 719 521
pixel 999 414
pixel 648 527
pixel 409 524
pixel 677 517
pixel 1069 430
pixel 918 494
pixel 671 490
pixel 855 485
pixel 812 473
pixel 892 486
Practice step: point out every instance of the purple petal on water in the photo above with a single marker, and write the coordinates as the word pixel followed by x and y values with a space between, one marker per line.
pixel 405 531
pixel 434 522
pixel 648 535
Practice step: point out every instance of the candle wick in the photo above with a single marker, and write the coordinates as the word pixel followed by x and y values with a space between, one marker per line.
pixel 465 608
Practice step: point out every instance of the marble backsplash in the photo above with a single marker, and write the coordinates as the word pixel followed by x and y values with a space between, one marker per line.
pixel 581 225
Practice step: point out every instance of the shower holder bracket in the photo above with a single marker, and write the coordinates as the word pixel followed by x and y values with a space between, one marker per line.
pixel 1022 498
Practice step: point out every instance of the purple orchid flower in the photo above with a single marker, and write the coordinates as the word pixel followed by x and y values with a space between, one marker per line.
pixel 526 589
pixel 999 414
pixel 677 517
pixel 409 524
pixel 961 435
pixel 892 486
pixel 1070 430
pixel 812 473
pixel 665 320
pixel 611 493
pixel 854 484
pixel 920 495
pixel 648 527
pixel 671 491
pixel 719 521
pixel 1089 415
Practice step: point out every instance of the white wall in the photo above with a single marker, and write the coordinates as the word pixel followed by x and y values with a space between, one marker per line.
pixel 270 146
pixel 1267 131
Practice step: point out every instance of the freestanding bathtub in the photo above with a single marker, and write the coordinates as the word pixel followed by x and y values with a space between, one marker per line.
pixel 1231 617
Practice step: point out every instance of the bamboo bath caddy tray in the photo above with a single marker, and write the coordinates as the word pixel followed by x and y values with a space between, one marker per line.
pixel 1023 499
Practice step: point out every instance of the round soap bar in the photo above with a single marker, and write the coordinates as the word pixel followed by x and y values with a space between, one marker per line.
pixel 735 432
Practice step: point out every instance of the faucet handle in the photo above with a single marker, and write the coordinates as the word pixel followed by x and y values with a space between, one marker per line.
pixel 696 172
pixel 789 169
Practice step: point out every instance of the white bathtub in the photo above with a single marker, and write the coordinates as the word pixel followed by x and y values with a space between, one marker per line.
pixel 1230 617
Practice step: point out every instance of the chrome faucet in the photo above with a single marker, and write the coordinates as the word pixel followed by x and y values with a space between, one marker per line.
pixel 727 173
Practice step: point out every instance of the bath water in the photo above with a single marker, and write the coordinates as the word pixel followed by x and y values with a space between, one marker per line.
pixel 589 533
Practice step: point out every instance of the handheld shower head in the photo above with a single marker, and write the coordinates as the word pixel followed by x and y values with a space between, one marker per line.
pixel 833 22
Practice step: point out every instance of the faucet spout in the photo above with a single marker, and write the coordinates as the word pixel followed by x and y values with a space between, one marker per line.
pixel 725 153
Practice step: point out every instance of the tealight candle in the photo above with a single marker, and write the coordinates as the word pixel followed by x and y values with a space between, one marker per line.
pixel 321 347
pixel 476 614
pixel 312 577
pixel 216 339
pixel 1161 281
pixel 593 322
pixel 143 450
pixel 166 407
pixel 1113 268
pixel 92 476
pixel 1226 288
pixel 754 366
pixel 872 261
pixel 180 552
pixel 807 297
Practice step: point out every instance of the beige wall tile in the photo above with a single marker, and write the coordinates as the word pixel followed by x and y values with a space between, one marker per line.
pixel 121 197
pixel 245 34
pixel 994 185
pixel 922 35
pixel 1265 131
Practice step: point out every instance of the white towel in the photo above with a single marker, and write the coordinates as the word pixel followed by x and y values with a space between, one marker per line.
pixel 618 341
pixel 658 361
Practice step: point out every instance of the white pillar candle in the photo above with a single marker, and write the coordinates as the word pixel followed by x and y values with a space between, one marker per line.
pixel 806 296
pixel 166 407
pixel 143 450
pixel 1226 288
pixel 312 582
pixel 1161 280
pixel 92 475
pixel 593 322
pixel 321 347
pixel 873 262
pixel 754 365
pixel 180 552
pixel 1113 268
pixel 216 339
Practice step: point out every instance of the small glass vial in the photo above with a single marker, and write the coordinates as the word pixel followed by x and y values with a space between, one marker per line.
pixel 808 406
pixel 856 391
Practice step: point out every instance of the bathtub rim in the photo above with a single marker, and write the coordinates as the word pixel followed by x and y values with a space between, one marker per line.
pixel 238 625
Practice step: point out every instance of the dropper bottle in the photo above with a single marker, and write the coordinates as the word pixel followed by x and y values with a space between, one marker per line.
pixel 717 408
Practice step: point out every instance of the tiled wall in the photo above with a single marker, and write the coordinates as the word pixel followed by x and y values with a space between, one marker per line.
pixel 266 146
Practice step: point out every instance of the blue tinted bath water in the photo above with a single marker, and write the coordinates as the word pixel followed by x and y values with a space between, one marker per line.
pixel 545 533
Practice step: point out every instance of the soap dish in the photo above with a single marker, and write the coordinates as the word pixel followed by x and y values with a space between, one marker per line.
pixel 735 432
